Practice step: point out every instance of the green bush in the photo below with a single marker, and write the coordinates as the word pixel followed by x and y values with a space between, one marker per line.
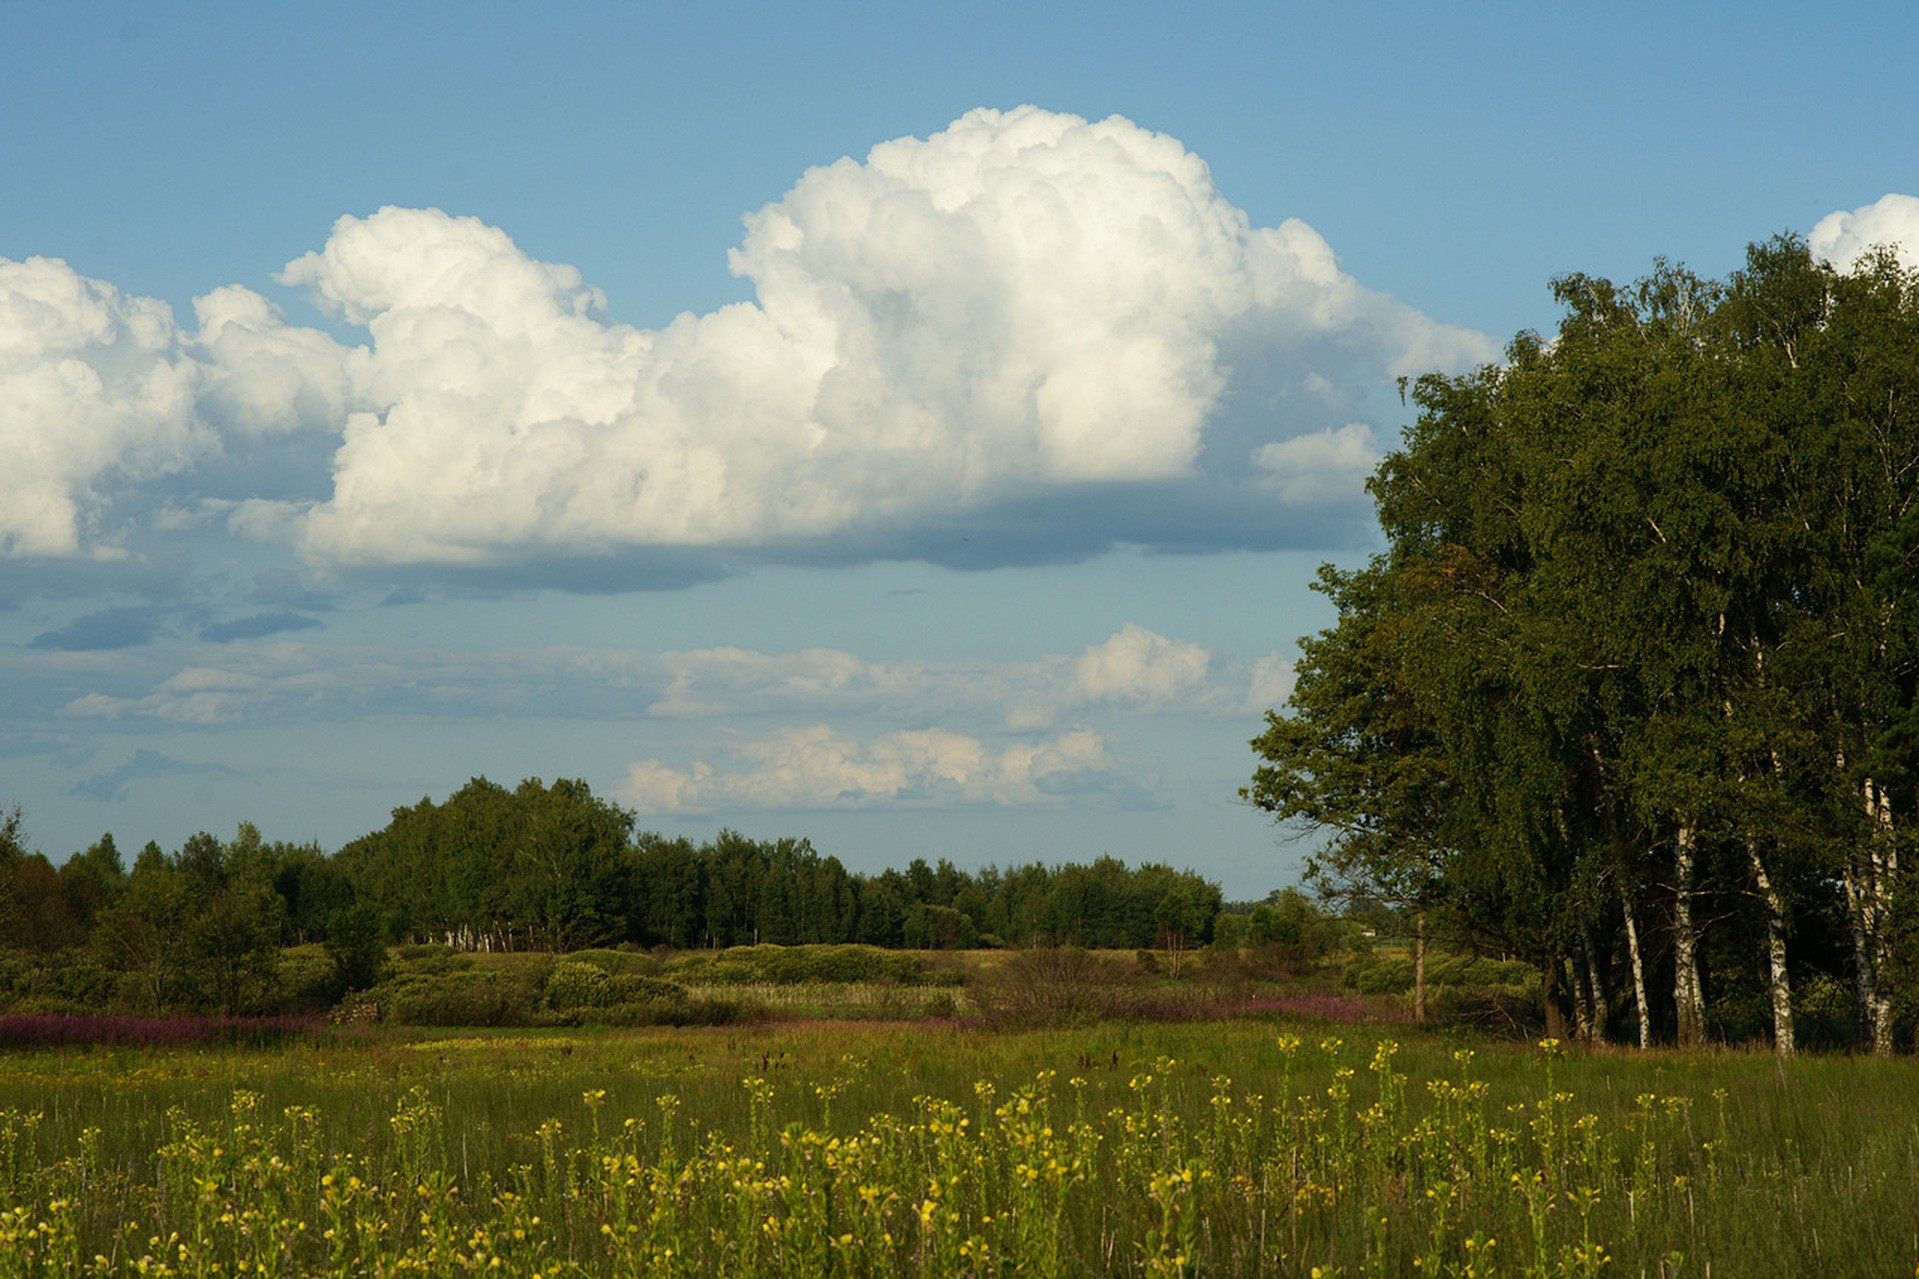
pixel 1053 986
pixel 632 988
pixel 573 985
pixel 433 958
pixel 308 979
pixel 730 972
pixel 615 963
pixel 462 999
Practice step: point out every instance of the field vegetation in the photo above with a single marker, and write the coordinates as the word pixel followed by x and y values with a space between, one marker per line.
pixel 1255 1145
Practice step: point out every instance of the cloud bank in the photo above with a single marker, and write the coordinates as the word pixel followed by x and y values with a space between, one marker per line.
pixel 1134 671
pixel 1024 318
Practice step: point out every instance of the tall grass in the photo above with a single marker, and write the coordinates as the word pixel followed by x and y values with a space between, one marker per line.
pixel 1235 1148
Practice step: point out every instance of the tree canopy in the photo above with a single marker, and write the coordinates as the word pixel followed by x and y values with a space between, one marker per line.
pixel 1641 649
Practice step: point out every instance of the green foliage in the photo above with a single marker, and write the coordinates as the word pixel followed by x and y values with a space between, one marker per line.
pixel 356 944
pixel 1210 1149
pixel 1642 648
pixel 307 980
pixel 1055 986
pixel 460 999
pixel 573 986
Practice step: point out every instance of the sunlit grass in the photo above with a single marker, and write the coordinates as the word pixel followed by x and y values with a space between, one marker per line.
pixel 863 1148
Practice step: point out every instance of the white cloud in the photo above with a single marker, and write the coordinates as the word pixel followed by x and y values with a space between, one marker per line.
pixel 818 767
pixel 93 384
pixel 265 377
pixel 1272 683
pixel 1841 237
pixel 1323 467
pixel 1134 672
pixel 1020 307
pixel 1021 303
pixel 100 390
pixel 1143 668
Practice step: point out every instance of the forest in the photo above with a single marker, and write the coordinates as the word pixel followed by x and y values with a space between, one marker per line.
pixel 1631 690
pixel 536 867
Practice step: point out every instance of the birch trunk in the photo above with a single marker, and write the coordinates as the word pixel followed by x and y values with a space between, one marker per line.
pixel 1858 922
pixel 1582 1000
pixel 1419 966
pixel 1601 1003
pixel 1641 1005
pixel 1779 981
pixel 1688 999
pixel 1883 866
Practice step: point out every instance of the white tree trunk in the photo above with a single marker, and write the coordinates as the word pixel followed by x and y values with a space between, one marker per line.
pixel 1596 978
pixel 1882 866
pixel 1688 999
pixel 1859 923
pixel 1778 980
pixel 1641 1005
pixel 1419 966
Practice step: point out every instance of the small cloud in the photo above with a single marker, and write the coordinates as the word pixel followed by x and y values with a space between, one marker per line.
pixel 257 626
pixel 1141 667
pixel 1322 468
pixel 1841 237
pixel 1271 685
pixel 112 628
pixel 819 768
pixel 145 765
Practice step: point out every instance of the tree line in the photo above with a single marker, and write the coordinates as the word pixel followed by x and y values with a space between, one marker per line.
pixel 543 867
pixel 1631 689
pixel 556 867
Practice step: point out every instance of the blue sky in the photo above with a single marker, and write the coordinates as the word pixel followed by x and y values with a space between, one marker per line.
pixel 913 427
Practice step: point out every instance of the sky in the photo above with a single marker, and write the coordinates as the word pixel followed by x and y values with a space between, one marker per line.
pixel 915 428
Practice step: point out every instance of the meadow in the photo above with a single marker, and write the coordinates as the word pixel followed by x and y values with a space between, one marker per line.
pixel 1257 1145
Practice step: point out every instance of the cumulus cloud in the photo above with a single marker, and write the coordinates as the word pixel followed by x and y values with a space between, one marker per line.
pixel 101 391
pixel 93 384
pixel 1142 667
pixel 1840 237
pixel 1059 330
pixel 1023 303
pixel 1322 467
pixel 818 767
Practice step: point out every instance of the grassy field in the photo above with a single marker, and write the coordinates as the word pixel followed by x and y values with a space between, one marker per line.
pixel 1250 1146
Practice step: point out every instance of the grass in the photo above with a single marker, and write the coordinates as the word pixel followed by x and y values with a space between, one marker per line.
pixel 1251 1146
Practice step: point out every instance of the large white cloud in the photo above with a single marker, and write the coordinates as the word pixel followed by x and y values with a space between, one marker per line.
pixel 1840 237
pixel 1024 302
pixel 101 390
pixel 1022 308
pixel 93 384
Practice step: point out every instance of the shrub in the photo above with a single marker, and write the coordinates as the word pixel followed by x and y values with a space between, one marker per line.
pixel 308 979
pixel 1052 986
pixel 730 972
pixel 464 999
pixel 616 963
pixel 432 958
pixel 632 988
pixel 574 985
